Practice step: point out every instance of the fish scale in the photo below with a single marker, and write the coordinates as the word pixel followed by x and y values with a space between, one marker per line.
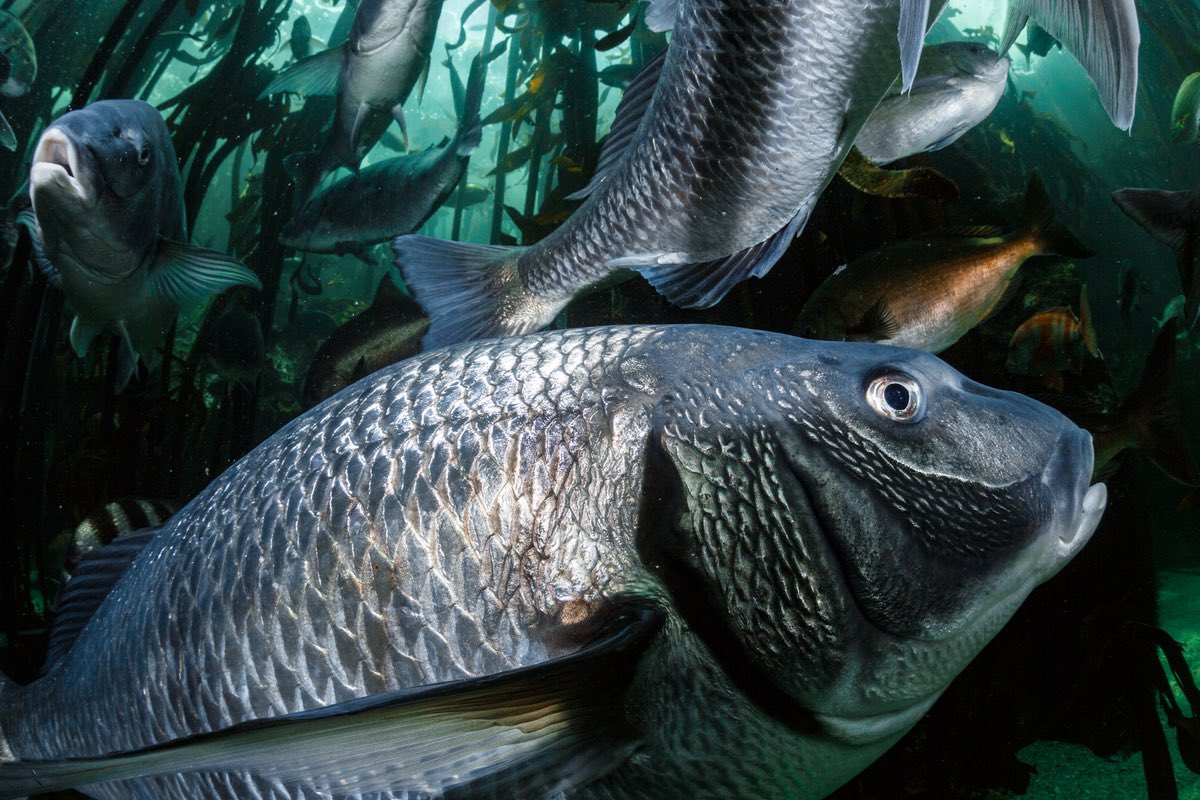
pixel 323 665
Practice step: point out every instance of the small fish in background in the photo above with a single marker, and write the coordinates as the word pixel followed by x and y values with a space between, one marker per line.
pixel 1038 42
pixel 1172 310
pixel 390 197
pixel 390 330
pixel 619 76
pixel 18 68
pixel 1053 341
pixel 114 519
pixel 423 587
pixel 958 85
pixel 1149 418
pixel 108 228
pixel 301 39
pixel 1130 287
pixel 1172 218
pixel 234 347
pixel 371 75
pixel 1185 111
pixel 927 292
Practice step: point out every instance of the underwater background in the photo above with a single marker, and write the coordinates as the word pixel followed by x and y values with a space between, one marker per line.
pixel 1083 695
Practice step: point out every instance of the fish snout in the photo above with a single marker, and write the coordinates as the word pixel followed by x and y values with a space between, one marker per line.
pixel 1078 505
pixel 57 162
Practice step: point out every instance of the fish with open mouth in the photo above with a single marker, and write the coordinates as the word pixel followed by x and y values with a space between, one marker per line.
pixel 108 228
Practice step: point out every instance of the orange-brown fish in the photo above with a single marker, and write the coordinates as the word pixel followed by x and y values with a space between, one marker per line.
pixel 928 291
pixel 1052 341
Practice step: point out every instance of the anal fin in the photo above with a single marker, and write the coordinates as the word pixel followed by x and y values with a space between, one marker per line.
pixel 704 284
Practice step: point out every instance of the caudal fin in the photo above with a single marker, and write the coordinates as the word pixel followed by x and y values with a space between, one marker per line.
pixel 470 291
pixel 1172 218
pixel 1103 36
pixel 1155 413
pixel 1050 235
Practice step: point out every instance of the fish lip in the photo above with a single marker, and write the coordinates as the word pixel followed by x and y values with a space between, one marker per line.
pixel 57 160
pixel 1078 506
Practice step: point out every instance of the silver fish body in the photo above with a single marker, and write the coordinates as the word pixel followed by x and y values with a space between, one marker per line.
pixel 108 226
pixel 720 151
pixel 957 86
pixel 824 532
pixel 390 197
pixel 371 75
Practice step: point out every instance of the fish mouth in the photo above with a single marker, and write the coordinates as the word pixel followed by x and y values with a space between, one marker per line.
pixel 57 163
pixel 1079 504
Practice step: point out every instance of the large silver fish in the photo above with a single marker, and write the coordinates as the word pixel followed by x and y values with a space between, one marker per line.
pixel 108 228
pixel 721 147
pixel 390 197
pixel 371 74
pixel 957 86
pixel 634 562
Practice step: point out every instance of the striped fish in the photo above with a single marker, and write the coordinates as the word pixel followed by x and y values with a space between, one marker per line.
pixel 117 518
pixel 1052 341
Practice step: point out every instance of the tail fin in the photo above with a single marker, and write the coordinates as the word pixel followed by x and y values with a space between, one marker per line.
pixel 1040 224
pixel 1171 218
pixel 1025 51
pixel 470 291
pixel 1104 38
pixel 470 129
pixel 1086 328
pixel 1152 405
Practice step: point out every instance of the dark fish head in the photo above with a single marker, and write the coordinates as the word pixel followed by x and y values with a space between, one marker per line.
pixel 978 61
pixel 867 518
pixel 18 63
pixel 106 174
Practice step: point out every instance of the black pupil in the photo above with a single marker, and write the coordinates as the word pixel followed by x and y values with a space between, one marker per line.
pixel 896 396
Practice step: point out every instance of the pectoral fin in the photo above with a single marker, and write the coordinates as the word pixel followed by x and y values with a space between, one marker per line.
pixel 914 22
pixel 29 220
pixel 319 74
pixel 184 273
pixel 81 336
pixel 524 733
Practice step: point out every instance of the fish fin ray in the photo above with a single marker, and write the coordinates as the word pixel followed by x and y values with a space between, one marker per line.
pixel 660 15
pixel 463 287
pixel 92 580
pixel 8 139
pixel 316 76
pixel 45 265
pixel 184 272
pixel 527 732
pixel 1103 37
pixel 629 115
pixel 704 284
pixel 127 359
pixel 1039 221
pixel 81 335
pixel 1167 216
pixel 878 323
pixel 914 22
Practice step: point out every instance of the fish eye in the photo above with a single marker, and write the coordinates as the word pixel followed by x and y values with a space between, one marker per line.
pixel 896 396
pixel 144 154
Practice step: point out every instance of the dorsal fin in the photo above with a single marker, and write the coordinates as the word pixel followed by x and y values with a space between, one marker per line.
pixel 630 111
pixel 97 573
